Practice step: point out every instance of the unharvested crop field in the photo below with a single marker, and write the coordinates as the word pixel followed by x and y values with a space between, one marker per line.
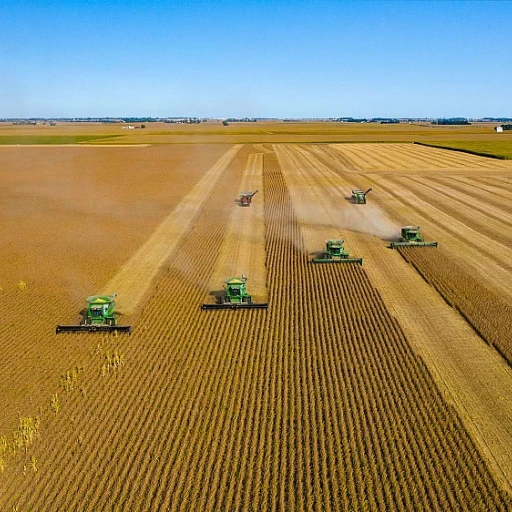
pixel 360 388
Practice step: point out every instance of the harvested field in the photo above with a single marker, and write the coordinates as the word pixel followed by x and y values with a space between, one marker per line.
pixel 359 388
pixel 132 281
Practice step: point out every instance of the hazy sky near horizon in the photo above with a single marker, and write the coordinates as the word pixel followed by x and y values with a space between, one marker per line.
pixel 67 58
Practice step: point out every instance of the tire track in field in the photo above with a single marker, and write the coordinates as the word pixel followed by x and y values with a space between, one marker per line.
pixel 459 158
pixel 371 158
pixel 135 276
pixel 243 249
pixel 441 159
pixel 413 158
pixel 495 182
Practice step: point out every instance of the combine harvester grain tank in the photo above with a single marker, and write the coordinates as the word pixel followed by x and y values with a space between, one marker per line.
pixel 235 296
pixel 99 317
pixel 336 253
pixel 410 237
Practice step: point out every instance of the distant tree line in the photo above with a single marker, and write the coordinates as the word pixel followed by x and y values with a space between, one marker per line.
pixel 497 119
pixel 385 121
pixel 350 120
pixel 451 121
pixel 241 119
pixel 183 120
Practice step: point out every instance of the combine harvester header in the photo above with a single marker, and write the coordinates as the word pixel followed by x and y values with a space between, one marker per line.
pixel 100 316
pixel 336 253
pixel 236 296
pixel 410 237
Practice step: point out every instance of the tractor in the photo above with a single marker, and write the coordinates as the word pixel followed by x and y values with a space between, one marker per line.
pixel 236 296
pixel 246 198
pixel 410 237
pixel 100 316
pixel 336 253
pixel 359 197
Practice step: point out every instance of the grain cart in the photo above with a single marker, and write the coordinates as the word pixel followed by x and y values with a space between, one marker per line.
pixel 246 198
pixel 359 197
pixel 99 316
pixel 235 296
pixel 410 237
pixel 336 253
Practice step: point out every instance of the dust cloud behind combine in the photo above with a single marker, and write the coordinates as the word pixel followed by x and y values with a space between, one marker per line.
pixel 321 205
pixel 369 219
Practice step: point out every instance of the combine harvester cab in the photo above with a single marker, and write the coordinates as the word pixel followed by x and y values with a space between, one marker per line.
pixel 236 296
pixel 336 253
pixel 100 316
pixel 410 237
pixel 246 198
pixel 359 197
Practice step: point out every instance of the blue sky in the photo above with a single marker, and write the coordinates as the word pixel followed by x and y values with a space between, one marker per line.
pixel 266 58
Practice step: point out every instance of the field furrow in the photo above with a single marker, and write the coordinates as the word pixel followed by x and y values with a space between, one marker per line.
pixel 489 196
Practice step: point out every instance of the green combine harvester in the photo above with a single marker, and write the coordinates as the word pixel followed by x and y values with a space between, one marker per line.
pixel 411 238
pixel 359 197
pixel 236 296
pixel 99 316
pixel 336 253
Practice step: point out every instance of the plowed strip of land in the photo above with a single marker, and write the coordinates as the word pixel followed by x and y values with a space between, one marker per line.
pixel 472 374
pixel 243 249
pixel 134 278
